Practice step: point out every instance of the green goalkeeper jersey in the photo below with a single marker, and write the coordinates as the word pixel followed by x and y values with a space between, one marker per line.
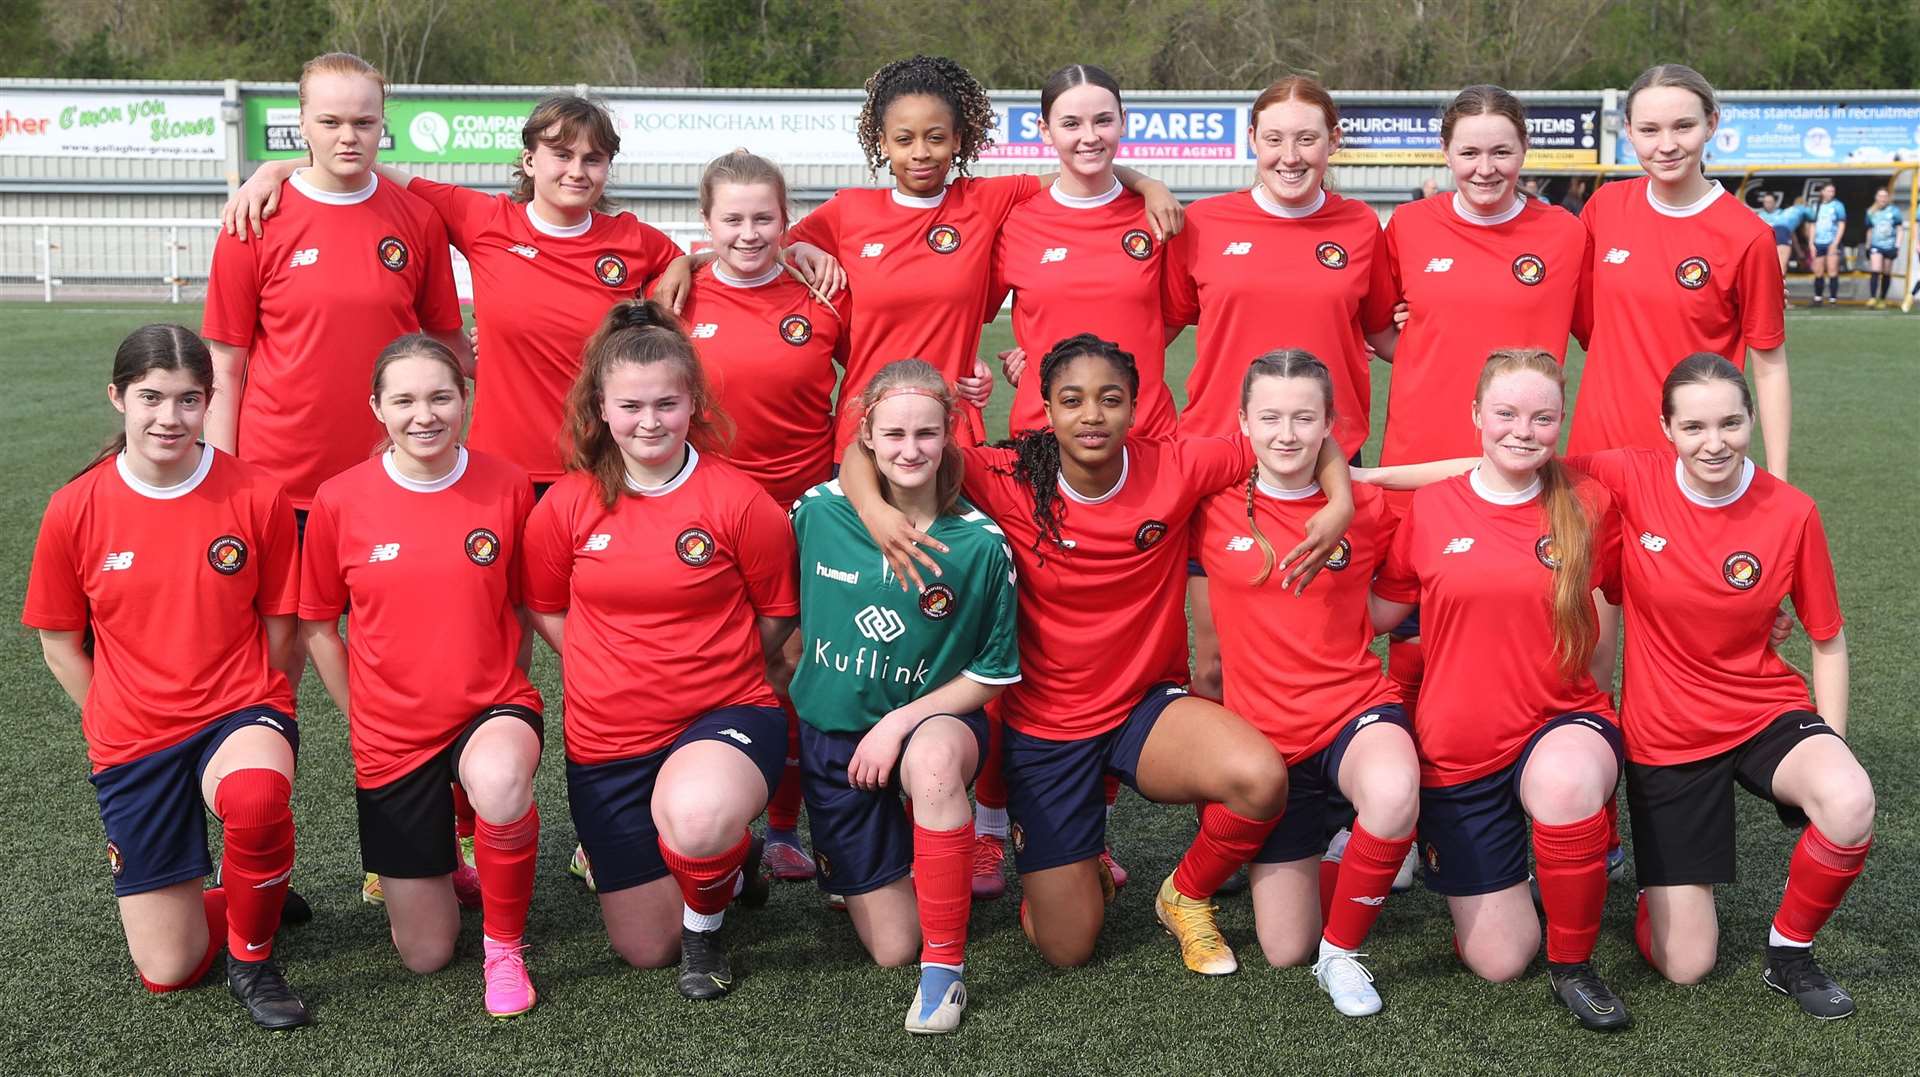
pixel 867 645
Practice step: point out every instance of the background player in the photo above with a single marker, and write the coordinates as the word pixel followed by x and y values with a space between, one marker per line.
pixel 1884 227
pixel 188 713
pixel 1826 229
pixel 428 526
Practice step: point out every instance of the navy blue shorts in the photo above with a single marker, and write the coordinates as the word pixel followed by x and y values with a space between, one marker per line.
pixel 155 819
pixel 1407 628
pixel 1056 791
pixel 406 825
pixel 1312 784
pixel 862 840
pixel 612 803
pixel 1474 836
pixel 1891 254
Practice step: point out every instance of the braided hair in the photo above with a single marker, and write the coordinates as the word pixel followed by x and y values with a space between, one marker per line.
pixel 935 76
pixel 1279 363
pixel 1037 463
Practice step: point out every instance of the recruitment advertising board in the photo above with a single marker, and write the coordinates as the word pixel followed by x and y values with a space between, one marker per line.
pixel 1809 131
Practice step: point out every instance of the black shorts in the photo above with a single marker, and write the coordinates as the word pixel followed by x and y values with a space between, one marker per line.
pixel 406 825
pixel 1313 791
pixel 1682 814
pixel 862 839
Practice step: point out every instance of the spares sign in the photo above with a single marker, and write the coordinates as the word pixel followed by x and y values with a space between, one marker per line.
pixel 1154 133
pixel 110 124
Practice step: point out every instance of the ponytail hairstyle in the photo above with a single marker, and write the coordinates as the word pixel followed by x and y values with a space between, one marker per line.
pixel 556 121
pixel 1484 100
pixel 643 332
pixel 935 76
pixel 744 168
pixel 1280 363
pixel 914 377
pixel 1703 368
pixel 414 346
pixel 1576 628
pixel 146 349
pixel 1674 75
pixel 339 63
pixel 1076 75
pixel 1038 451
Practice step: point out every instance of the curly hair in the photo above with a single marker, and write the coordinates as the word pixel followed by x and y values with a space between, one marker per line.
pixel 935 76
pixel 1037 463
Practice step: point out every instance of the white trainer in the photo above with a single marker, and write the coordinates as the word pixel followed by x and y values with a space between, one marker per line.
pixel 1347 981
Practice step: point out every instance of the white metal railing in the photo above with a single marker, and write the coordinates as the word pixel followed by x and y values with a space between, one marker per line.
pixel 168 229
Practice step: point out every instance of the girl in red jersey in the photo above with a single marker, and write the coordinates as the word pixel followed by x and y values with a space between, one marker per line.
pixel 295 320
pixel 1286 237
pixel 428 525
pixel 1098 526
pixel 1300 670
pixel 190 712
pixel 664 577
pixel 1678 266
pixel 1080 257
pixel 769 346
pixel 1511 726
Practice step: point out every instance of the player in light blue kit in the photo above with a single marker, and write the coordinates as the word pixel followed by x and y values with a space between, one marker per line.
pixel 1829 224
pixel 1883 245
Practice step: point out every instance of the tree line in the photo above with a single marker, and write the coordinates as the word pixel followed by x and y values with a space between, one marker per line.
pixel 1173 44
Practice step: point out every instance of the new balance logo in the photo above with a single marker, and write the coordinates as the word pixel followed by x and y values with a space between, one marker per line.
pixel 524 251
pixel 596 543
pixel 1053 254
pixel 1652 542
pixel 1240 544
pixel 1617 255
pixel 1439 265
pixel 1459 545
pixel 386 551
pixel 735 735
pixel 872 250
pixel 703 330
pixel 304 258
pixel 879 624
pixel 117 562
pixel 1238 248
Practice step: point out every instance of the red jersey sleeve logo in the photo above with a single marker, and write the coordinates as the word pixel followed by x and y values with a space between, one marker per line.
pixel 227 555
pixel 1742 570
pixel 943 238
pixel 1529 269
pixel 937 601
pixel 795 329
pixel 1149 534
pixel 1692 273
pixel 1137 244
pixel 1331 254
pixel 694 546
pixel 483 546
pixel 611 269
pixel 393 253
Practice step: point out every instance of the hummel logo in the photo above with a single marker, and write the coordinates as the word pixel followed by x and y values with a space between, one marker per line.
pixel 524 251
pixel 1240 544
pixel 1439 265
pixel 1654 543
pixel 1053 254
pixel 834 574
pixel 879 624
pixel 1365 900
pixel 386 551
pixel 596 543
pixel 703 330
pixel 304 258
pixel 117 561
pixel 872 250
pixel 1459 545
pixel 1238 248
pixel 1617 255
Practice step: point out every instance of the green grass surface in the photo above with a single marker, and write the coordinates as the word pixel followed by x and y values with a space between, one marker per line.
pixel 809 1002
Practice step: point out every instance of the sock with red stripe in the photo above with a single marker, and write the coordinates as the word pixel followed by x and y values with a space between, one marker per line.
pixel 258 858
pixel 1366 875
pixel 706 883
pixel 1817 878
pixel 943 889
pixel 504 854
pixel 214 904
pixel 783 811
pixel 463 816
pixel 1570 860
pixel 1225 842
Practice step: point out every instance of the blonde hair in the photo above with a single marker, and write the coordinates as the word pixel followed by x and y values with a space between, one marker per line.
pixel 339 63
pixel 1576 628
pixel 920 378
pixel 1680 75
pixel 743 168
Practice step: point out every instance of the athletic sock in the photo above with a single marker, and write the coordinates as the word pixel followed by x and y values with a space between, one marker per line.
pixel 1330 871
pixel 1225 842
pixel 943 890
pixel 990 788
pixel 1570 860
pixel 1613 823
pixel 1886 281
pixel 463 816
pixel 1817 878
pixel 214 904
pixel 504 854
pixel 1406 665
pixel 783 811
pixel 706 883
pixel 257 858
pixel 1643 930
pixel 1365 877
pixel 989 822
pixel 1111 787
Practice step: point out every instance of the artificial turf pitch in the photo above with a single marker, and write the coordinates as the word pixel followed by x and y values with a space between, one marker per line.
pixel 808 1000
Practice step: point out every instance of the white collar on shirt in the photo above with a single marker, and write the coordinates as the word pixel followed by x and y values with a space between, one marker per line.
pixel 335 198
pixel 675 483
pixel 165 493
pixel 1714 191
pixel 1091 201
pixel 1466 213
pixel 418 487
pixel 1496 497
pixel 910 201
pixel 1126 465
pixel 1702 500
pixel 1282 494
pixel 1265 201
pixel 558 231
pixel 731 281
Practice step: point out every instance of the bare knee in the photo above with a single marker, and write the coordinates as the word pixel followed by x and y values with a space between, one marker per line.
pixel 1687 966
pixel 1289 951
pixel 697 826
pixel 1066 953
pixel 1498 963
pixel 648 953
pixel 496 786
pixel 893 953
pixel 168 970
pixel 1389 805
pixel 1259 783
pixel 1845 811
pixel 424 955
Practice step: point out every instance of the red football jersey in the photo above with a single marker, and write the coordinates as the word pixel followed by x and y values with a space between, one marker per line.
pixel 1254 278
pixel 1478 565
pixel 1662 284
pixel 335 279
pixel 1085 266
pixel 540 291
pixel 662 594
pixel 394 549
pixel 1702 580
pixel 173 581
pixel 918 270
pixel 1298 668
pixel 1471 288
pixel 1123 572
pixel 768 348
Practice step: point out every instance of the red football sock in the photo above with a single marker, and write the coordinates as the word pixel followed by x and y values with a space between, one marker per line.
pixel 1613 823
pixel 504 855
pixel 706 883
pixel 990 788
pixel 783 811
pixel 257 859
pixel 1571 862
pixel 1817 878
pixel 943 888
pixel 1406 665
pixel 1329 882
pixel 1111 786
pixel 1643 930
pixel 462 813
pixel 214 902
pixel 1366 876
pixel 1225 842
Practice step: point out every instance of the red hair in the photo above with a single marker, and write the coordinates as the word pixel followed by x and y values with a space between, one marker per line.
pixel 1297 88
